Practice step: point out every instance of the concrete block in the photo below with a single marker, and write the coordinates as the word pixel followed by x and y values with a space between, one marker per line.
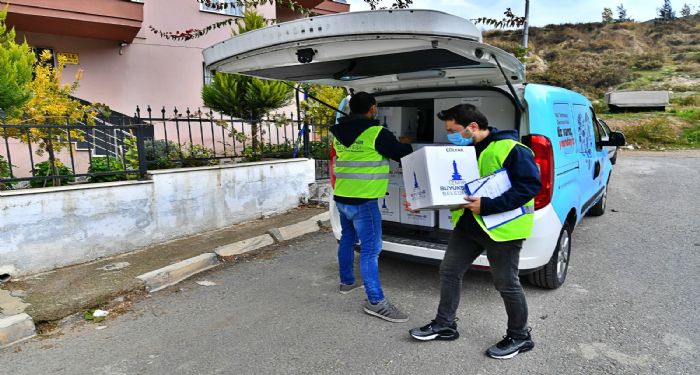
pixel 326 216
pixel 244 246
pixel 174 273
pixel 16 328
pixel 295 230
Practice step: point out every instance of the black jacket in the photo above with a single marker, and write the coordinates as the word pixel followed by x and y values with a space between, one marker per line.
pixel 351 127
pixel 522 171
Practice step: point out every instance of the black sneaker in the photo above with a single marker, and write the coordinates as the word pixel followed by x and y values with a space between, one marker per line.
pixel 510 347
pixel 433 331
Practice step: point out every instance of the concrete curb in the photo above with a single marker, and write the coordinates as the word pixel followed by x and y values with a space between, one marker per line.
pixel 242 247
pixel 16 328
pixel 299 229
pixel 170 275
pixel 174 273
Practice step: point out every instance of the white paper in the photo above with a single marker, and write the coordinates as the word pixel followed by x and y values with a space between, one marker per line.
pixel 493 186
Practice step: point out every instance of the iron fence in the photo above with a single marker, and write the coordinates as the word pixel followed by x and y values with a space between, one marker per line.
pixel 120 147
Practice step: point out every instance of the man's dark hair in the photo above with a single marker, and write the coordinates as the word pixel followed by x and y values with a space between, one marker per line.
pixel 361 102
pixel 464 114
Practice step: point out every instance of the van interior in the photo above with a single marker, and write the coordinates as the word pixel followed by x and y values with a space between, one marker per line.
pixel 414 115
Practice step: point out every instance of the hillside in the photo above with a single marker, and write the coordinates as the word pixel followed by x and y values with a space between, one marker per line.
pixel 594 58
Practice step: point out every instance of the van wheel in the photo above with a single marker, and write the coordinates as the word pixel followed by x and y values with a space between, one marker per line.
pixel 553 275
pixel 599 208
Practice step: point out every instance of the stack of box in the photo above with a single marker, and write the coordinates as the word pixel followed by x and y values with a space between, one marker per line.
pixel 390 205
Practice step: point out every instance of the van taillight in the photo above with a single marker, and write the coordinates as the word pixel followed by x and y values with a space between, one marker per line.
pixel 544 158
pixel 331 164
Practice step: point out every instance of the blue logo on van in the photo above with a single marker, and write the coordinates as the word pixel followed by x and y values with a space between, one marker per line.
pixel 455 175
pixel 415 181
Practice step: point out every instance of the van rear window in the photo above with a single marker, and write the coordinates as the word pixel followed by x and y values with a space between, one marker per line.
pixel 368 66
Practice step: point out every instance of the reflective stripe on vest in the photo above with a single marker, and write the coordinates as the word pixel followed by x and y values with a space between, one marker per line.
pixel 491 160
pixel 361 171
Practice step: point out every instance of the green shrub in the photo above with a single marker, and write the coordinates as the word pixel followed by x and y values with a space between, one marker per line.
pixel 4 171
pixel 197 156
pixel 687 101
pixel 692 135
pixel 44 169
pixel 102 165
pixel 649 61
pixel 653 133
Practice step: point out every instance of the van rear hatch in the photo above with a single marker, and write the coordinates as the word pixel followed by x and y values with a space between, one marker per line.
pixel 372 51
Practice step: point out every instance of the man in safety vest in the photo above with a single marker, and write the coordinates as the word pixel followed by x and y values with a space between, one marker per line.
pixel 495 149
pixel 363 149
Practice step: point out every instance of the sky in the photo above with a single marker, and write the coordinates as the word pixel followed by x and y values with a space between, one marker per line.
pixel 542 12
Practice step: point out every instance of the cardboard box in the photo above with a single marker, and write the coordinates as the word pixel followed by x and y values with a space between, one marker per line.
pixel 390 205
pixel 434 176
pixel 424 218
pixel 445 219
pixel 402 121
pixel 396 166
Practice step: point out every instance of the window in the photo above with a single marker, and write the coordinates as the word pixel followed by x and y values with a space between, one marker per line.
pixel 228 8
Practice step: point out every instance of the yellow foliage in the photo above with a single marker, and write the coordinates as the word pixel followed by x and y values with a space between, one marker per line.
pixel 319 112
pixel 51 104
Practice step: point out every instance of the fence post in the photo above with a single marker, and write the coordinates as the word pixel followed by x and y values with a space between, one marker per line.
pixel 140 145
pixel 307 145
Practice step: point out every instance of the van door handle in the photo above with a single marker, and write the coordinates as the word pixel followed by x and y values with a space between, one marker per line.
pixel 596 170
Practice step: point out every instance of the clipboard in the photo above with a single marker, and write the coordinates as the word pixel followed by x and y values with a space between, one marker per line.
pixel 492 186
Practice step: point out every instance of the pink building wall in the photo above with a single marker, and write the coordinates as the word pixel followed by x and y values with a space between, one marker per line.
pixel 149 71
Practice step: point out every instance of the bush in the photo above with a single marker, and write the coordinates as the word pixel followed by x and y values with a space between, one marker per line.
pixel 649 61
pixel 652 134
pixel 197 156
pixel 687 101
pixel 692 135
pixel 44 169
pixel 102 165
pixel 4 171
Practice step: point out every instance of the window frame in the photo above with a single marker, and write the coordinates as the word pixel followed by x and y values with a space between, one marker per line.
pixel 223 12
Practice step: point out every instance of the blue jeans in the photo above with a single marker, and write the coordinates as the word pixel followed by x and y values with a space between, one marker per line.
pixel 363 222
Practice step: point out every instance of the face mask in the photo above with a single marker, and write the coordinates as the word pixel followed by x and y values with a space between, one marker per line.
pixel 458 140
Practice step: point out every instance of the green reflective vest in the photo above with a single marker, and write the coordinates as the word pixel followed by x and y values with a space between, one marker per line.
pixel 491 160
pixel 361 171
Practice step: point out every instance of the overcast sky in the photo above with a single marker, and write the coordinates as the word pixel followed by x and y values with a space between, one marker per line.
pixel 542 12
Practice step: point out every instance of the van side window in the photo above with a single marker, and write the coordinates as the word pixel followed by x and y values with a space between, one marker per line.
pixel 597 130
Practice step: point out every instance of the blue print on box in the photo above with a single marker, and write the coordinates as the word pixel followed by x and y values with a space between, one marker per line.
pixel 455 175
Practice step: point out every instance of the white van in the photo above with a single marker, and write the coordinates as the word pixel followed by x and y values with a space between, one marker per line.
pixel 419 62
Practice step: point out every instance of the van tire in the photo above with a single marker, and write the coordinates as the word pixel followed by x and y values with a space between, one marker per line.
pixel 553 274
pixel 599 208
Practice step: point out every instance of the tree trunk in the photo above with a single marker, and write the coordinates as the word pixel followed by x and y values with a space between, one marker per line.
pixel 52 162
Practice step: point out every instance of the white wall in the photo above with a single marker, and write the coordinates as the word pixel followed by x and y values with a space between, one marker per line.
pixel 43 229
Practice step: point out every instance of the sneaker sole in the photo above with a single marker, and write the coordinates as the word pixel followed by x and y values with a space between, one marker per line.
pixel 388 319
pixel 351 290
pixel 509 356
pixel 436 337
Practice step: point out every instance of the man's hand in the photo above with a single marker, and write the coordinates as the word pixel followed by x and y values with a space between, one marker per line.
pixel 474 204
pixel 407 140
pixel 407 206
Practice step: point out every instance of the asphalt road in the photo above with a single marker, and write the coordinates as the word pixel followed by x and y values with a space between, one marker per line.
pixel 630 305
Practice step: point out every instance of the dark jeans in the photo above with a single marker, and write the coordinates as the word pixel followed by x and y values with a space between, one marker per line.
pixel 463 248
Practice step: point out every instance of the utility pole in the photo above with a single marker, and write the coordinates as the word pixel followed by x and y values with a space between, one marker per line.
pixel 527 23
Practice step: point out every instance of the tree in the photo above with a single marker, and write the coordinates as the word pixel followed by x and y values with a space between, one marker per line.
pixel 607 15
pixel 666 12
pixel 16 62
pixel 51 103
pixel 328 94
pixel 246 97
pixel 686 11
pixel 621 14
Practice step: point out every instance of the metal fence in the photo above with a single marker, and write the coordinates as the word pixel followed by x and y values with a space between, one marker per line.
pixel 121 147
